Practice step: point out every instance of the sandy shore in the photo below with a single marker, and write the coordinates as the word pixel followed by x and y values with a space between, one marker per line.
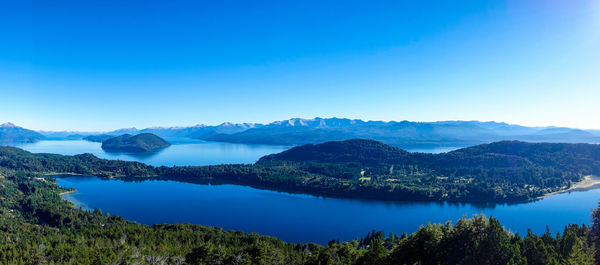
pixel 63 174
pixel 67 192
pixel 588 183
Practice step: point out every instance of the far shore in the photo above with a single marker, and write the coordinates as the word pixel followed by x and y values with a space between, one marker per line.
pixel 589 182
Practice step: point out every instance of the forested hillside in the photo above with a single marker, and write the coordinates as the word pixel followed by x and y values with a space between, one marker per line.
pixel 508 170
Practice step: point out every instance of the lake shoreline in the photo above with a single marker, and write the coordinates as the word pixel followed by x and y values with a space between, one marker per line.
pixel 67 192
pixel 589 182
pixel 257 207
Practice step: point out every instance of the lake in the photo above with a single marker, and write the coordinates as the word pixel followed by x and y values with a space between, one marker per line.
pixel 306 218
pixel 291 217
pixel 182 152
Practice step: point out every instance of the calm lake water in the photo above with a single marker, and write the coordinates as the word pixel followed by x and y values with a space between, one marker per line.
pixel 305 218
pixel 291 217
pixel 183 152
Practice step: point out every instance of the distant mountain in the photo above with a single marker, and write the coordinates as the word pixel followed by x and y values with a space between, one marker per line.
pixel 10 133
pixel 349 151
pixel 199 131
pixel 403 134
pixel 98 138
pixel 131 130
pixel 64 135
pixel 566 135
pixel 144 142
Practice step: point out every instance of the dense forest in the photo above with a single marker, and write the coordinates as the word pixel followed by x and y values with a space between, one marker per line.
pixel 501 171
pixel 497 172
pixel 38 227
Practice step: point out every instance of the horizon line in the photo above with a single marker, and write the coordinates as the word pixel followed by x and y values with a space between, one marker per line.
pixel 295 118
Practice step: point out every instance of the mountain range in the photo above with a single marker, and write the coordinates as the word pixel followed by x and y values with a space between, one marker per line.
pixel 404 134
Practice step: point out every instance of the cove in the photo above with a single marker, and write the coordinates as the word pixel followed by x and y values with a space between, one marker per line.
pixel 307 218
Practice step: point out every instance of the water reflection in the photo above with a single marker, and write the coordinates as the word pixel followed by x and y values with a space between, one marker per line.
pixel 307 218
pixel 182 152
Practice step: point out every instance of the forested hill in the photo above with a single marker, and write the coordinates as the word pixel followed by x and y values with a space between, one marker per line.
pixel 143 142
pixel 578 158
pixel 366 152
pixel 507 170
pixel 573 157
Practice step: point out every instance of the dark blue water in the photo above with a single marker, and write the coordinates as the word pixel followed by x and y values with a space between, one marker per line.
pixel 305 218
pixel 183 152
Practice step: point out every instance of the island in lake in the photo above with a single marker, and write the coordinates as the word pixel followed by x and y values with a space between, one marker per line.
pixel 141 143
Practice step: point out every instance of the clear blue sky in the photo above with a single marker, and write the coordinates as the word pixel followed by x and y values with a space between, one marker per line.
pixel 101 65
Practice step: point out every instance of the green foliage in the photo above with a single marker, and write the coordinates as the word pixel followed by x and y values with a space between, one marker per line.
pixel 502 171
pixel 38 227
pixel 498 172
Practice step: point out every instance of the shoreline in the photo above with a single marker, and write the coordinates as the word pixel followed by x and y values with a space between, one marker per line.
pixel 67 192
pixel 589 182
pixel 52 174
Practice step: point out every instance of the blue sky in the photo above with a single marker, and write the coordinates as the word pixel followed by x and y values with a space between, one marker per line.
pixel 101 65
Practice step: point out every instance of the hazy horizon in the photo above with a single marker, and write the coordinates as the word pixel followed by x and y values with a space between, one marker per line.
pixel 265 123
pixel 98 66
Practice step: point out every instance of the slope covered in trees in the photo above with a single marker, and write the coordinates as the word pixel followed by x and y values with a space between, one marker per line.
pixel 508 170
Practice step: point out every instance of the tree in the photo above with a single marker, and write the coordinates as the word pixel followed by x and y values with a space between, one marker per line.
pixel 375 254
pixel 595 233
